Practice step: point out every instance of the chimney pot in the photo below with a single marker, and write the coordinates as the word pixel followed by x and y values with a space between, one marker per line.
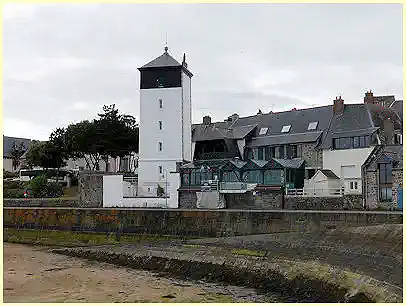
pixel 206 120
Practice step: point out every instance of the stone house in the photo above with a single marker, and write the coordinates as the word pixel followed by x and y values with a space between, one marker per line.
pixel 354 131
pixel 382 177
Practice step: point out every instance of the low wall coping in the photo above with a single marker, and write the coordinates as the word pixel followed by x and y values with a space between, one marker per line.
pixel 367 212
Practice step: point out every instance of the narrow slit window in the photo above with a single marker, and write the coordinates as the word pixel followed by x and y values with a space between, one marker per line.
pixel 160 125
pixel 160 103
pixel 160 146
pixel 286 129
pixel 160 169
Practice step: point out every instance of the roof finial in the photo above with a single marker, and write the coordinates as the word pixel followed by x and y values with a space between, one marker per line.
pixel 166 42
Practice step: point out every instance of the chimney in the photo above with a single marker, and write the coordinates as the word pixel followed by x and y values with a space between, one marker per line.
pixel 369 97
pixel 338 106
pixel 206 120
pixel 232 118
pixel 259 112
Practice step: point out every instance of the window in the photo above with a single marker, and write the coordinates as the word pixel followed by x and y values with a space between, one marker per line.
pixel 160 125
pixel 292 151
pixel 250 154
pixel 281 152
pixel 160 169
pixel 261 153
pixel 160 146
pixel 286 129
pixel 263 131
pixel 160 103
pixel 255 153
pixel 269 153
pixel 351 142
pixel 348 172
pixel 385 182
pixel 353 185
pixel 312 125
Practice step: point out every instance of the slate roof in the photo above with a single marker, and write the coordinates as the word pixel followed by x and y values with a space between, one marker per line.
pixel 284 139
pixel 398 154
pixel 8 144
pixel 298 119
pixel 379 114
pixel 354 121
pixel 293 163
pixel 329 174
pixel 165 60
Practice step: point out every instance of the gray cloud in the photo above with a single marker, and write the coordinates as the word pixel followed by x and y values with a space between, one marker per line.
pixel 63 62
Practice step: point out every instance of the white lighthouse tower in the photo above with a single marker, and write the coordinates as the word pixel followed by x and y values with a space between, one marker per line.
pixel 165 125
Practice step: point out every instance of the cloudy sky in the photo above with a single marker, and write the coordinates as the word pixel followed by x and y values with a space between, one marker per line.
pixel 63 62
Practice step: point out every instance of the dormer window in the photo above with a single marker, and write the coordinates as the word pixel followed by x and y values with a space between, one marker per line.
pixel 263 131
pixel 286 129
pixel 312 125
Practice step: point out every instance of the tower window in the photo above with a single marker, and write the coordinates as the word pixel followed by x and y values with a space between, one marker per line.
pixel 160 169
pixel 160 146
pixel 160 125
pixel 160 103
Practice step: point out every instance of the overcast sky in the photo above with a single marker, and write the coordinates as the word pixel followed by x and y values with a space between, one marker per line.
pixel 63 62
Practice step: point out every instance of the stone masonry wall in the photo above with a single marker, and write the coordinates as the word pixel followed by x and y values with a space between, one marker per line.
pixel 267 200
pixel 186 222
pixel 372 190
pixel 312 157
pixel 397 181
pixel 40 203
pixel 347 202
pixel 90 188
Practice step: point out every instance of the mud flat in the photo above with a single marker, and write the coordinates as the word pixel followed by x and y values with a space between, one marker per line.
pixel 32 274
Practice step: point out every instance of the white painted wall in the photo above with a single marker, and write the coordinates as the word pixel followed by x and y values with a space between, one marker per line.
pixel 112 190
pixel 335 159
pixel 187 116
pixel 8 165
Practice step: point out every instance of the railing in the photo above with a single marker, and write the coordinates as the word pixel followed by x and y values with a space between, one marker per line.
pixel 312 192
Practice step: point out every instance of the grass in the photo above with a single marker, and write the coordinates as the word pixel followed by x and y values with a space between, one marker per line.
pixel 69 238
pixel 70 193
pixel 246 252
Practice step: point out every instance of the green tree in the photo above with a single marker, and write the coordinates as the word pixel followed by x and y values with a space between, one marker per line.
pixel 44 154
pixel 17 150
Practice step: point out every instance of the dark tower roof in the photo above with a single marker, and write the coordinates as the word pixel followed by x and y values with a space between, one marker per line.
pixel 166 60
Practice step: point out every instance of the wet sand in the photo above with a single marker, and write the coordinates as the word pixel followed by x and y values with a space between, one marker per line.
pixel 32 274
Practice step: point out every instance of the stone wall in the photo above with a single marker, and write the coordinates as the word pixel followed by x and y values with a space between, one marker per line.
pixel 187 199
pixel 265 200
pixel 372 190
pixel 312 157
pixel 90 188
pixel 397 181
pixel 186 222
pixel 346 202
pixel 40 203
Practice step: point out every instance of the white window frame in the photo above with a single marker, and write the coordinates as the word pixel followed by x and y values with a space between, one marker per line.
pixel 312 125
pixel 263 131
pixel 286 128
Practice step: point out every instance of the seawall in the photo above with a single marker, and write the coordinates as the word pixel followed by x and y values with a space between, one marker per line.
pixel 190 222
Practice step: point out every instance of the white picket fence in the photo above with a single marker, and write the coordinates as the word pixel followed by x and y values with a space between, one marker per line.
pixel 312 192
